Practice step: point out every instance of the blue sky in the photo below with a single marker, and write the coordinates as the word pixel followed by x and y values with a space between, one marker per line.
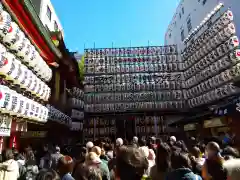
pixel 120 22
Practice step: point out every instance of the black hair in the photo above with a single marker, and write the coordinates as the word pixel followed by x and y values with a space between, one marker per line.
pixel 230 151
pixel 7 154
pixel 180 160
pixel 48 174
pixel 163 156
pixel 131 163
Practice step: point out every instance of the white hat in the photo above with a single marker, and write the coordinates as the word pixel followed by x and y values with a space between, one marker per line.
pixel 135 139
pixel 89 145
pixel 119 142
pixel 173 138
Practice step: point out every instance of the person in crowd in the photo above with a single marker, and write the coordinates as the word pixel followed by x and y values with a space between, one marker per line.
pixel 131 164
pixel 45 160
pixel 119 142
pixel 142 143
pixel 80 160
pixel 232 163
pixel 89 146
pixel 213 166
pixel 181 168
pixel 65 168
pixel 21 160
pixel 48 174
pixel 135 141
pixel 31 166
pixel 146 153
pixel 93 159
pixel 197 160
pixel 162 165
pixel 173 143
pixel 55 157
pixel 9 168
pixel 99 152
pixel 109 150
pixel 18 156
pixel 89 173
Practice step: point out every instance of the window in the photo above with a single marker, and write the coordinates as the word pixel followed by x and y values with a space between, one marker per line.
pixel 170 35
pixel 182 10
pixel 204 2
pixel 189 24
pixel 182 35
pixel 55 26
pixel 180 16
pixel 49 13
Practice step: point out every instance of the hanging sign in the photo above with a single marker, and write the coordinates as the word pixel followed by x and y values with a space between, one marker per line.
pixel 5 125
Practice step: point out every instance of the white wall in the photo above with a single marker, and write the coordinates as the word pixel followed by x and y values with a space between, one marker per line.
pixel 197 12
pixel 44 18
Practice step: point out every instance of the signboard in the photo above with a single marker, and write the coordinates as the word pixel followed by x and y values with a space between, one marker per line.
pixel 5 125
pixel 216 122
pixel 189 127
pixel 34 134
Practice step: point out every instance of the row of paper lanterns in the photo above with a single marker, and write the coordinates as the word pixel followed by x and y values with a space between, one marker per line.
pixel 135 68
pixel 75 114
pixel 58 116
pixel 14 71
pixel 77 92
pixel 163 59
pixel 134 78
pixel 119 107
pixel 17 42
pixel 143 86
pixel 16 104
pixel 132 51
pixel 129 97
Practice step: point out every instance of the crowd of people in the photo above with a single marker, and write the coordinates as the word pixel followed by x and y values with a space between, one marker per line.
pixel 141 159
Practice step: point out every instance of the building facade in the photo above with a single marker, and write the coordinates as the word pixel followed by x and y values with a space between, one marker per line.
pixel 189 15
pixel 47 14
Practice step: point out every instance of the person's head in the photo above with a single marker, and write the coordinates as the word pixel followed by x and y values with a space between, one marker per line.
pixel 30 157
pixel 7 155
pixel 89 146
pixel 135 139
pixel 196 152
pixel 131 163
pixel 97 150
pixel 163 157
pixel 142 142
pixel 57 149
pixel 172 140
pixel 92 159
pixel 108 147
pixel 89 172
pixel 230 152
pixel 65 165
pixel 45 147
pixel 180 160
pixel 119 142
pixel 48 174
pixel 212 150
